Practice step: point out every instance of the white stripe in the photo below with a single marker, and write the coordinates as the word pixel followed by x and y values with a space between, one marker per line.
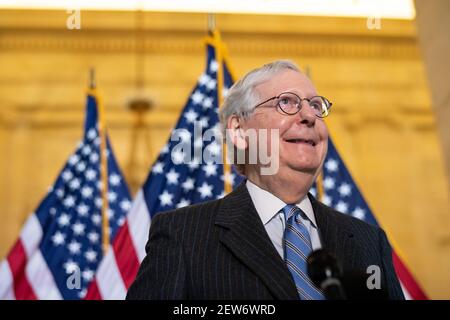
pixel 109 280
pixel 139 223
pixel 41 279
pixel 31 234
pixel 405 292
pixel 6 283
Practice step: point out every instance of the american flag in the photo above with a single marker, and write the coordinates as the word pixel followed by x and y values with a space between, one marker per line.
pixel 173 182
pixel 62 239
pixel 340 191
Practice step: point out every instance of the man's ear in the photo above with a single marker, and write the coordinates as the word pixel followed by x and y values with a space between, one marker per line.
pixel 236 132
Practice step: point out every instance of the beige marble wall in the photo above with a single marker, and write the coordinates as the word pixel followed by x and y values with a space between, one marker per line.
pixel 382 119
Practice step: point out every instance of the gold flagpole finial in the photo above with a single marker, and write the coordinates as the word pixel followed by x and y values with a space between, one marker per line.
pixel 211 22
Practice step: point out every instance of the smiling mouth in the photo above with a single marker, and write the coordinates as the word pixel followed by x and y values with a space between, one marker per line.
pixel 298 141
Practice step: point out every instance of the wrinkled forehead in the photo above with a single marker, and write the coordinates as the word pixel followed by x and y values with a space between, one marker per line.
pixel 286 81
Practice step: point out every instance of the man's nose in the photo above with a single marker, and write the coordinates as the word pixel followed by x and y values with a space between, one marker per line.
pixel 306 115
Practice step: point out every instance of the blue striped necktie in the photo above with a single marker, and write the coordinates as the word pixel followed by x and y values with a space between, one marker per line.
pixel 297 247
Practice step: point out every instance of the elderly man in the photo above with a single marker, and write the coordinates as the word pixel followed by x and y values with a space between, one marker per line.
pixel 253 243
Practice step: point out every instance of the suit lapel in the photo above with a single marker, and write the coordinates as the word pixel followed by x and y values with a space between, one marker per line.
pixel 246 237
pixel 334 235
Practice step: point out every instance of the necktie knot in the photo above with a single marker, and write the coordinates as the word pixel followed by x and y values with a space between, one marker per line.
pixel 291 211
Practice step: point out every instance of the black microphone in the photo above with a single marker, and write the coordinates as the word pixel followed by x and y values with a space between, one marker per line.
pixel 324 272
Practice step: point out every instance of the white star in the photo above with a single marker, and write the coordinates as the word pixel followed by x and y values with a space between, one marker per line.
pixel 70 266
pixel 82 293
pixel 207 103
pixel 210 169
pixel 111 213
pixel 67 175
pixel 194 164
pixel 177 156
pixel 203 122
pixel 82 210
pixel 91 134
pixel 86 192
pixel 331 165
pixel 74 184
pixel 158 167
pixel 121 221
pixel 183 203
pixel 86 150
pixel 229 177
pixel 98 202
pixel 60 193
pixel 326 200
pixel 125 205
pixel 313 191
pixel 204 78
pixel 345 189
pixel 81 167
pixel 205 190
pixel 211 84
pixel 114 179
pixel 90 174
pixel 74 247
pixel 188 184
pixel 94 157
pixel 328 183
pixel 87 275
pixel 78 228
pixel 93 237
pixel 165 198
pixel 90 255
pixel 74 159
pixel 97 141
pixel 172 177
pixel 58 238
pixel 213 66
pixel 342 207
pixel 191 116
pixel 197 97
pixel 99 185
pixel 359 213
pixel 69 201
pixel 112 196
pixel 52 211
pixel 96 219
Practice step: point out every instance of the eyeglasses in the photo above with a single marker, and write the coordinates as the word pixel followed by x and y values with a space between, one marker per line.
pixel 290 103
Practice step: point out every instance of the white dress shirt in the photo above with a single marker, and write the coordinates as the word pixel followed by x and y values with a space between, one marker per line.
pixel 269 208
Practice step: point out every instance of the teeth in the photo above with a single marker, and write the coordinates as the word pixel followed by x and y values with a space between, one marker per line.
pixel 310 142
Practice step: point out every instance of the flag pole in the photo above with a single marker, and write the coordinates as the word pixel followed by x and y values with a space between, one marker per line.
pixel 220 80
pixel 103 163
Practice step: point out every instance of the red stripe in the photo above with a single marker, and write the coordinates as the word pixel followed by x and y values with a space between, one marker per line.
pixel 407 279
pixel 93 293
pixel 17 260
pixel 126 257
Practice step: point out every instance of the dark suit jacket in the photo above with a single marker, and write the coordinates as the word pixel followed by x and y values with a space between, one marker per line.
pixel 221 250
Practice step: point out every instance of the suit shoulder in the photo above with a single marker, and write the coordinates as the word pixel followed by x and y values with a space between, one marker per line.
pixel 348 220
pixel 194 211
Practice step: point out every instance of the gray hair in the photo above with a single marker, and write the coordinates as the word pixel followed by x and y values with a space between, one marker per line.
pixel 243 96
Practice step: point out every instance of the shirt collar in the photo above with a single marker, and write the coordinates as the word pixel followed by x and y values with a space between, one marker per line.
pixel 268 206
